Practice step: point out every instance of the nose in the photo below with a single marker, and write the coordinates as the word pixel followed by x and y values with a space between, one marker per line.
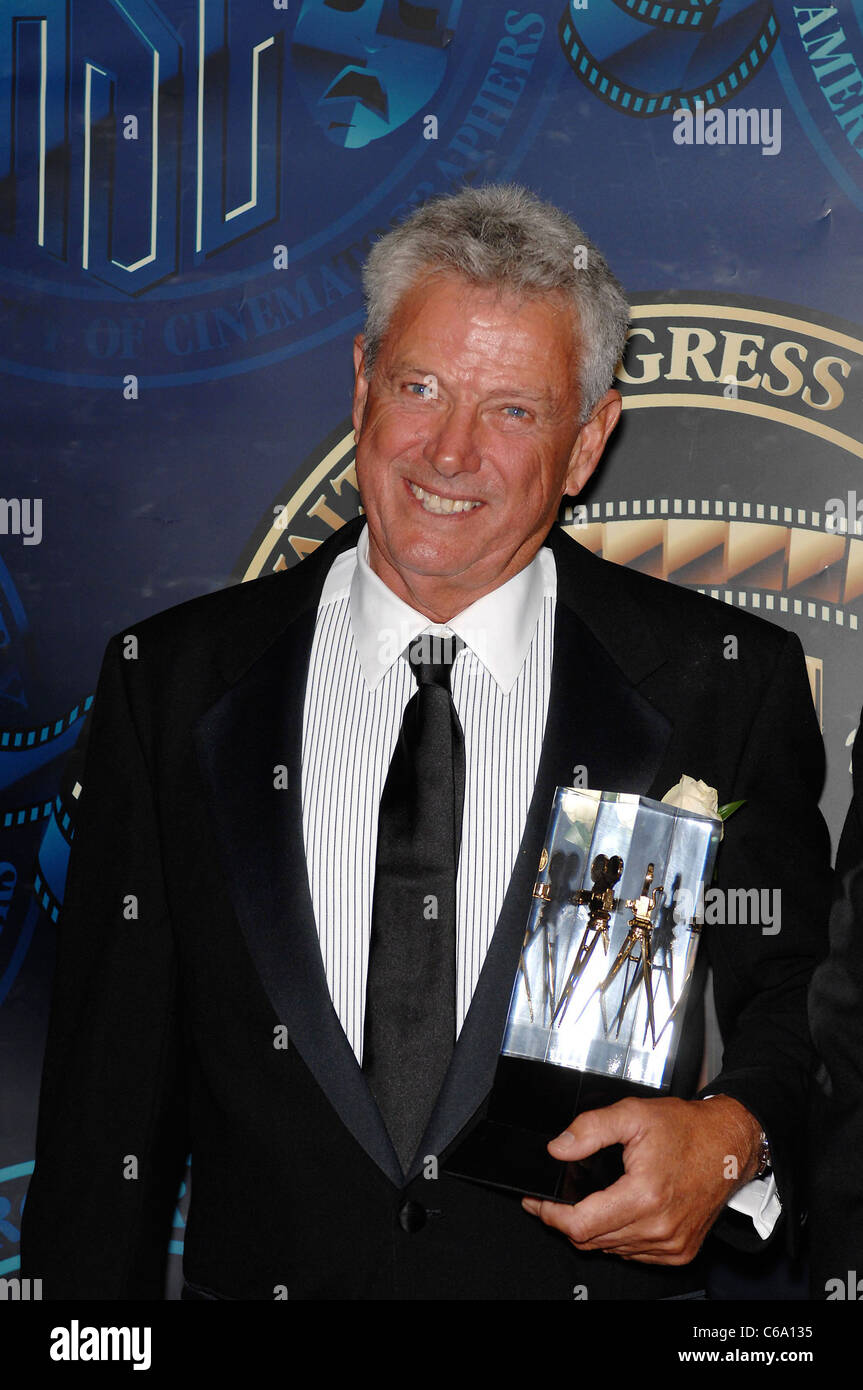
pixel 453 445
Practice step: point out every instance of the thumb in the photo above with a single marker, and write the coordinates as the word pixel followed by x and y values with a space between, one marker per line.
pixel 593 1130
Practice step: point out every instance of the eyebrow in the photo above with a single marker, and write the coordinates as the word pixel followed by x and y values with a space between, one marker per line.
pixel 520 391
pixel 409 369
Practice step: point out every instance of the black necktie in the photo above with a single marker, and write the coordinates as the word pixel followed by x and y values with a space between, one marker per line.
pixel 409 1029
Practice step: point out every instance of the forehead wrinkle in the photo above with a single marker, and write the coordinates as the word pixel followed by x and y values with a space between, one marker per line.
pixel 482 316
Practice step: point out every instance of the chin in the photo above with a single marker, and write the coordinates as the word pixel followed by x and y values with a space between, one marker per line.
pixel 425 557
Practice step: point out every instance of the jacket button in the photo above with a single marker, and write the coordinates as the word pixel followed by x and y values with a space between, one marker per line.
pixel 412 1216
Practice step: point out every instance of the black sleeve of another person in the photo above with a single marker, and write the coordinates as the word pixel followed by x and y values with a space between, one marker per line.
pixel 836 1017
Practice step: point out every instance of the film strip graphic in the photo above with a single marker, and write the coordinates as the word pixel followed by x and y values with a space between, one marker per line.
pixel 20 740
pixel 52 862
pixel 611 44
pixel 22 751
pixel 25 815
pixel 758 555
pixel 47 900
pixel 693 16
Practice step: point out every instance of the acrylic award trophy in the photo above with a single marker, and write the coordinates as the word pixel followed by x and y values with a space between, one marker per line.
pixel 600 992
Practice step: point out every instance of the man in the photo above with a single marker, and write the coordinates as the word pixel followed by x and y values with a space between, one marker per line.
pixel 311 992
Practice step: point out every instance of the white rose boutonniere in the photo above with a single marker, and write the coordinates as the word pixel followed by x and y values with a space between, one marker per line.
pixel 694 795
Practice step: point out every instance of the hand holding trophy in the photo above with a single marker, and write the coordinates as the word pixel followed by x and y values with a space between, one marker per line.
pixel 598 1005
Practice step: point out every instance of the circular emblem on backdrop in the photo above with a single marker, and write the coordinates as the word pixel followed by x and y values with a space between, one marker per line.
pixel 216 221
pixel 819 61
pixel 742 409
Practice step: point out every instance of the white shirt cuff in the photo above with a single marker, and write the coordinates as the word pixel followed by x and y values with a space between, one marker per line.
pixel 760 1200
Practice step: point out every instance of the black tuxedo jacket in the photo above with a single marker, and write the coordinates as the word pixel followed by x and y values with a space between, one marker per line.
pixel 836 1014
pixel 188 946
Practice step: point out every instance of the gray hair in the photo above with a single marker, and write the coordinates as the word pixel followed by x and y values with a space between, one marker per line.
pixel 502 235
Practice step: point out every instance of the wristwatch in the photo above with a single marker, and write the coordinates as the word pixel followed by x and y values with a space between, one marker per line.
pixel 765 1161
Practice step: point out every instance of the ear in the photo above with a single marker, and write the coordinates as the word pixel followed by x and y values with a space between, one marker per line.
pixel 591 441
pixel 361 385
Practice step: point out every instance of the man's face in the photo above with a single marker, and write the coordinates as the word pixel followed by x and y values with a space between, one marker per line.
pixel 468 438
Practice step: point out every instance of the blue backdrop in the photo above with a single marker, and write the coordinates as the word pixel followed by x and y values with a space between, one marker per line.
pixel 187 193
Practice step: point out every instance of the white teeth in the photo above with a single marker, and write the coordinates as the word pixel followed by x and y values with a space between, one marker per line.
pixel 441 505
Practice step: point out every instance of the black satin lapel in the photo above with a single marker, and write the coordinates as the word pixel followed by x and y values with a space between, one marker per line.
pixel 255 727
pixel 596 720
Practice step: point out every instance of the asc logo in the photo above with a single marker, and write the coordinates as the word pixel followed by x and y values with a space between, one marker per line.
pixel 188 189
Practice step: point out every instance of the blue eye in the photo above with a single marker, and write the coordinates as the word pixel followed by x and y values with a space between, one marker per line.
pixel 517 407
pixel 419 388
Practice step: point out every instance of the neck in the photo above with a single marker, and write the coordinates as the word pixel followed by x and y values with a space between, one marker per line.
pixel 440 598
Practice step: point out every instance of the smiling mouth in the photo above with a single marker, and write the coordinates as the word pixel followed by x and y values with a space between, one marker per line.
pixel 441 506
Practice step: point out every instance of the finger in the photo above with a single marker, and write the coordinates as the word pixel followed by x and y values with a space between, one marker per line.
pixel 556 1214
pixel 609 1215
pixel 634 1242
pixel 597 1129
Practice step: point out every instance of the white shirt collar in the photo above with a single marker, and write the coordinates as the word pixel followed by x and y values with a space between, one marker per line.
pixel 498 628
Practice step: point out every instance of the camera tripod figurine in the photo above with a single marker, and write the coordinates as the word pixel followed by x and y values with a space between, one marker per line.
pixel 601 902
pixel 634 957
